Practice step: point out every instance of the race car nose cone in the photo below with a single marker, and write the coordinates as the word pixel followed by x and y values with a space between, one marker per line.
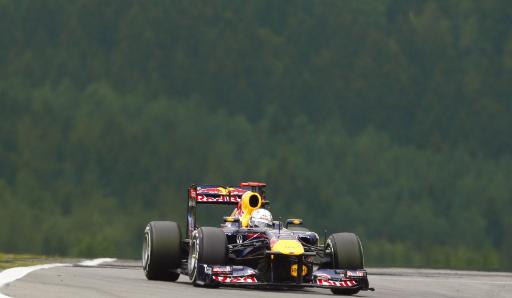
pixel 288 247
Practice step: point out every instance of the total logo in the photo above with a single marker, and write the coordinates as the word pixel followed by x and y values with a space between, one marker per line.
pixel 293 270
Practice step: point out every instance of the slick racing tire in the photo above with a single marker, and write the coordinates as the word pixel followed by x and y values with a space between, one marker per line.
pixel 161 251
pixel 347 253
pixel 345 292
pixel 208 246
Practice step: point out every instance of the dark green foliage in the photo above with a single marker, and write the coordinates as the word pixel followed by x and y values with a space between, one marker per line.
pixel 390 119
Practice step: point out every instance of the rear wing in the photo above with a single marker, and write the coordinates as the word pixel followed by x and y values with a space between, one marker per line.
pixel 218 194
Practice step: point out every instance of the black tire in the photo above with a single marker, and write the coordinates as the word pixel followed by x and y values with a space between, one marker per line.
pixel 208 246
pixel 347 253
pixel 345 292
pixel 161 250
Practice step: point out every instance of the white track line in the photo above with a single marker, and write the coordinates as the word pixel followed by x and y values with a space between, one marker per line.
pixel 12 274
pixel 96 262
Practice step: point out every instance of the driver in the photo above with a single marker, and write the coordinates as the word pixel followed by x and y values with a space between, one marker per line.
pixel 261 218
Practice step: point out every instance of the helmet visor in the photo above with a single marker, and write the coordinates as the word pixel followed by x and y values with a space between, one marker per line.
pixel 261 223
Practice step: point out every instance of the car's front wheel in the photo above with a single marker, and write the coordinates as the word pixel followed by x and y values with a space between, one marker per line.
pixel 208 246
pixel 347 253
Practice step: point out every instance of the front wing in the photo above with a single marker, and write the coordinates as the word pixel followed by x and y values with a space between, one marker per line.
pixel 243 276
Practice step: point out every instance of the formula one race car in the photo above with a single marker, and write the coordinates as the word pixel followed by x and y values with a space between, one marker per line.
pixel 250 249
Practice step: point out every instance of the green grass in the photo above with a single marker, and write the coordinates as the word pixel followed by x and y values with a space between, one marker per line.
pixel 20 260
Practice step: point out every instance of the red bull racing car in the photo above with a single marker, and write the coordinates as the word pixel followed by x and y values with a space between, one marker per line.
pixel 250 249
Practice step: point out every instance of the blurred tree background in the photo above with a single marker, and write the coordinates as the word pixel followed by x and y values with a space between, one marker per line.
pixel 388 118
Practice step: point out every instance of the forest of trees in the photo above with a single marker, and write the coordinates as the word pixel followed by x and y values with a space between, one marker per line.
pixel 392 119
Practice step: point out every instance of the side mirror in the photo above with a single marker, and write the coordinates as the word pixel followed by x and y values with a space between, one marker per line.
pixel 293 221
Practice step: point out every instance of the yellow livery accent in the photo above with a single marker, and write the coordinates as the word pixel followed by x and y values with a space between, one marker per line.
pixel 288 247
pixel 250 202
pixel 293 270
pixel 245 219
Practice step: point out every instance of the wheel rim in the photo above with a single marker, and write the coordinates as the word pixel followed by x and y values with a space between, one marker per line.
pixel 328 246
pixel 146 250
pixel 193 257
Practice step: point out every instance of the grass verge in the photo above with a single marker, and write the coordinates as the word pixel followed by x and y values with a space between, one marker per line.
pixel 20 260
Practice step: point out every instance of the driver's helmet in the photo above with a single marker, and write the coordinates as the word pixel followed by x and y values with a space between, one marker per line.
pixel 261 218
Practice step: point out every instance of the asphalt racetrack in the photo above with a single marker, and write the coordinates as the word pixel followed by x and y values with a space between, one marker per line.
pixel 126 279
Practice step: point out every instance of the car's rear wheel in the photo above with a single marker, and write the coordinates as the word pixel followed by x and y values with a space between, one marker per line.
pixel 161 251
pixel 208 246
pixel 347 253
